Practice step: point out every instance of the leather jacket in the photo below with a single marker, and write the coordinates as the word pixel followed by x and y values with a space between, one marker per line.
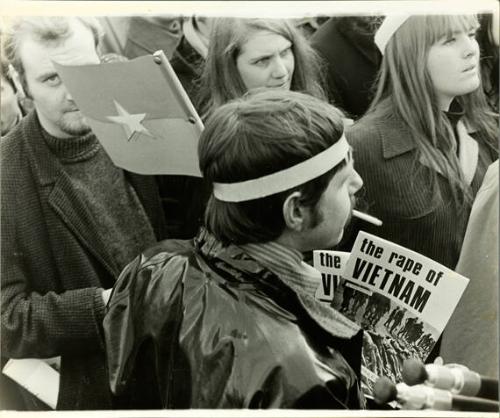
pixel 194 324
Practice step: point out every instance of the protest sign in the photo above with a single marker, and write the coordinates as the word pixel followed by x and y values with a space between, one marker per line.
pixel 401 299
pixel 331 265
pixel 139 112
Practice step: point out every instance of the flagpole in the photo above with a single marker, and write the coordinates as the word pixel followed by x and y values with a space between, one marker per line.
pixel 172 79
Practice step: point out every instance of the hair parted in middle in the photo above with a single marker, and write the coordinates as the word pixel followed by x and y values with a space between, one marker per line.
pixel 405 88
pixel 221 81
pixel 265 131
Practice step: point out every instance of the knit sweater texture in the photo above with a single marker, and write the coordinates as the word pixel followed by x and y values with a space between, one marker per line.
pixel 120 217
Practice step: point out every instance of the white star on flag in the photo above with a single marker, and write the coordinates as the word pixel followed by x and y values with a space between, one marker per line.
pixel 132 122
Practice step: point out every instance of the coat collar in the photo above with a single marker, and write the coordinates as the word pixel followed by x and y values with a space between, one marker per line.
pixel 395 141
pixel 316 316
pixel 61 194
pixel 330 320
pixel 399 140
pixel 45 166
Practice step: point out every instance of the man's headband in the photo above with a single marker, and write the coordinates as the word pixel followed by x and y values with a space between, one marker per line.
pixel 389 26
pixel 285 179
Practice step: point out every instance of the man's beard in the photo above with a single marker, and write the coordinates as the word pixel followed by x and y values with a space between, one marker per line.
pixel 73 124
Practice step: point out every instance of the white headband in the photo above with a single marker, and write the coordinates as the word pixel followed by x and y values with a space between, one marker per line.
pixel 388 27
pixel 284 179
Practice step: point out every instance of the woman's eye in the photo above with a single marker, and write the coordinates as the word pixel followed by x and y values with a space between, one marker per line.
pixel 449 41
pixel 262 61
pixel 285 52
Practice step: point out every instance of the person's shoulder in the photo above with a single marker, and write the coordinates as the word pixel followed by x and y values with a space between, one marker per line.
pixel 152 276
pixel 27 130
pixel 366 132
pixel 13 152
pixel 374 129
pixel 12 143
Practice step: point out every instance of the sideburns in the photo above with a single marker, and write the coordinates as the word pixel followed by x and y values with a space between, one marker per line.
pixel 317 216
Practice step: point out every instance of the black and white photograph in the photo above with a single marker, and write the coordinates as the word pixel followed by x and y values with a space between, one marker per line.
pixel 168 169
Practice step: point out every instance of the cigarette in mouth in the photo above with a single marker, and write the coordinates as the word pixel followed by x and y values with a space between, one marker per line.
pixel 367 218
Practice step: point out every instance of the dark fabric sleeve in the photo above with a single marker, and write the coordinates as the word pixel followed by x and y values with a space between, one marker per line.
pixel 38 324
pixel 35 325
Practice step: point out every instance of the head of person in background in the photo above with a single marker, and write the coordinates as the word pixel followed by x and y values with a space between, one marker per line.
pixel 269 133
pixel 431 70
pixel 251 53
pixel 32 45
pixel 487 38
pixel 10 110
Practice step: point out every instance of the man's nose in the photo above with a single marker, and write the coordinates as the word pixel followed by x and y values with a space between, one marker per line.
pixel 357 181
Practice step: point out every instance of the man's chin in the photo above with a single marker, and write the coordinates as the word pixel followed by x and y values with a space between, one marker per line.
pixel 75 128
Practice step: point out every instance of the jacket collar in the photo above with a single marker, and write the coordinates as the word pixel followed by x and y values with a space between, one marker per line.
pixel 45 166
pixel 399 140
pixel 61 194
pixel 330 320
pixel 396 141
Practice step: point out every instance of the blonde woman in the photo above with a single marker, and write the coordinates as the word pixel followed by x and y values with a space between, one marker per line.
pixel 428 137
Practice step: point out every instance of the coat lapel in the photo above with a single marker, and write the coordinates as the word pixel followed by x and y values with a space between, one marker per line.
pixel 395 145
pixel 56 185
pixel 330 320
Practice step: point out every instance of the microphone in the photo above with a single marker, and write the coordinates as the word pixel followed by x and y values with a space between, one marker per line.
pixel 425 397
pixel 456 378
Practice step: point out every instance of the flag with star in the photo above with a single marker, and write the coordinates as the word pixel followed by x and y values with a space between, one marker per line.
pixel 140 113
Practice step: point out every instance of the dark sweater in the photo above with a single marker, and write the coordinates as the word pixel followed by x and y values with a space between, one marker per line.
pixel 120 217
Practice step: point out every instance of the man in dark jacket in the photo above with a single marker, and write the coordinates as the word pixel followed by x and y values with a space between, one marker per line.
pixel 353 59
pixel 230 320
pixel 71 220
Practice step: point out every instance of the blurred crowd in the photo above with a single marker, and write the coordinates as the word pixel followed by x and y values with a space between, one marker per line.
pixel 401 122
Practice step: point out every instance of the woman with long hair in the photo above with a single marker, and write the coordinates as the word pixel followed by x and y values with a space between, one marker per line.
pixel 251 53
pixel 428 137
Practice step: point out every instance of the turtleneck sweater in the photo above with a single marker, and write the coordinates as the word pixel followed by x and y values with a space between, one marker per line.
pixel 119 217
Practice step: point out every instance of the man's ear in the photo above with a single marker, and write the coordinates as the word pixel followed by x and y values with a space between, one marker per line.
pixel 294 213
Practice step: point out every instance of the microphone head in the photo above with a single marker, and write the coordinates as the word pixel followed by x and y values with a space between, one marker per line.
pixel 384 391
pixel 414 372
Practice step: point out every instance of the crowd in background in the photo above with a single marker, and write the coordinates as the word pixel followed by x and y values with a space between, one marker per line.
pixel 420 111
